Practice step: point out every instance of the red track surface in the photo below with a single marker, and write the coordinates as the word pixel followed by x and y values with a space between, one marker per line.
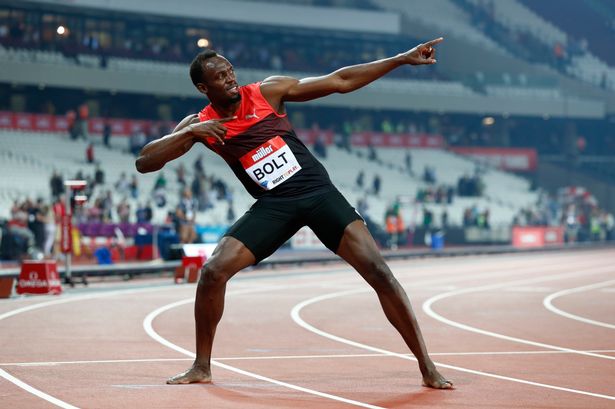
pixel 316 337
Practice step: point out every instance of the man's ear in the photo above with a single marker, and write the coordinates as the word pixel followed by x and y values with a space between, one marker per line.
pixel 202 87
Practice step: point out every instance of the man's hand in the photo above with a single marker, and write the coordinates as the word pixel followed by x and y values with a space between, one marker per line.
pixel 213 128
pixel 422 54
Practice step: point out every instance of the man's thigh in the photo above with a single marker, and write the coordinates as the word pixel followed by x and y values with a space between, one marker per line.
pixel 329 216
pixel 265 227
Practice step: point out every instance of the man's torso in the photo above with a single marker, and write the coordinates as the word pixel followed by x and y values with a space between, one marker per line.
pixel 264 152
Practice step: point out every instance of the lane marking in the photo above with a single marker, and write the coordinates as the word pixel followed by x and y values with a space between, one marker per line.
pixel 36 392
pixel 284 357
pixel 548 303
pixel 296 315
pixel 147 325
pixel 31 389
pixel 427 307
pixel 107 293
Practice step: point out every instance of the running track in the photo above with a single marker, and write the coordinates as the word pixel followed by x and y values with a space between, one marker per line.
pixel 511 331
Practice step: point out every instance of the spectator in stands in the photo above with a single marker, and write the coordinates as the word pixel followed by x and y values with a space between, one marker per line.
pixel 386 126
pixel 427 218
pixel 134 187
pixel 122 185
pixel 394 226
pixel 107 205
pixel 95 212
pixel 220 188
pixel 123 211
pixel 180 172
pixel 71 119
pixel 18 227
pixel 371 153
pixel 450 191
pixel 137 141
pixel 185 215
pixel 467 217
pixel 161 182
pixel 99 176
pixel 81 122
pixel 362 206
pixel 444 219
pixel 160 197
pixel 230 213
pixel 484 220
pixel 144 213
pixel 89 153
pixel 198 165
pixel 106 135
pixel 376 184
pixel 360 179
pixel 429 174
pixel 56 183
pixel 320 149
pixel 36 221
pixel 559 53
pixel 408 162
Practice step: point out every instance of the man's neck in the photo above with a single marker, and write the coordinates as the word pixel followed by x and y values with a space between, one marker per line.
pixel 225 111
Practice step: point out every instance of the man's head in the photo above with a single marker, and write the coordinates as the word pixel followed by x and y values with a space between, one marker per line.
pixel 214 76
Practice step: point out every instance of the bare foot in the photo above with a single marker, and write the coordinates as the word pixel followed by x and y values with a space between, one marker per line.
pixel 433 379
pixel 192 375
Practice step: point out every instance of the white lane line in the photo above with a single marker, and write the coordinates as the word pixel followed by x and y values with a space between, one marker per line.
pixel 75 298
pixel 284 357
pixel 548 303
pixel 45 304
pixel 147 325
pixel 296 315
pixel 71 298
pixel 427 307
pixel 35 391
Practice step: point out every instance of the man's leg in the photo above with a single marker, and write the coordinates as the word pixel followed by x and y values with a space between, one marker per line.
pixel 358 248
pixel 229 257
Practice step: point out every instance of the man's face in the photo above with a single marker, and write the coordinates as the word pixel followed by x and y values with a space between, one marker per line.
pixel 220 83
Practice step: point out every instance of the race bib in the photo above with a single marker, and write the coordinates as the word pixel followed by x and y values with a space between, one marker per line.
pixel 270 164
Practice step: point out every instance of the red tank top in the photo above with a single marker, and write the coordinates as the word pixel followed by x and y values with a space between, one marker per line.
pixel 264 152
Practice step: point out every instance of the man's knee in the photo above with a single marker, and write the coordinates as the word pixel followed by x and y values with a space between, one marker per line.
pixel 379 276
pixel 214 275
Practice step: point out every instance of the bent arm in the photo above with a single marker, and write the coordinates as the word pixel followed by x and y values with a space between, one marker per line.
pixel 157 153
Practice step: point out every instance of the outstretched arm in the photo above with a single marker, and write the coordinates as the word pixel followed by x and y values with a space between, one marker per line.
pixel 157 153
pixel 280 89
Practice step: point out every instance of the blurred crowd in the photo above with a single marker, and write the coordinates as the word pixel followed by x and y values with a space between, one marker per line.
pixel 524 43
pixel 574 208
pixel 246 47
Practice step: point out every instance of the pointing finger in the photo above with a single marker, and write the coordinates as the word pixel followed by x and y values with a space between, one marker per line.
pixel 434 42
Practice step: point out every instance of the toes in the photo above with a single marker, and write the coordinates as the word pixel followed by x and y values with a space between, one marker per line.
pixel 439 384
pixel 178 379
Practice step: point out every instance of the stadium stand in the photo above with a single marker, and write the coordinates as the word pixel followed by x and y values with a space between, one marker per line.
pixel 504 106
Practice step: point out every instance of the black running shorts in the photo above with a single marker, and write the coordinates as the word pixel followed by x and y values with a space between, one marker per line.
pixel 270 223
